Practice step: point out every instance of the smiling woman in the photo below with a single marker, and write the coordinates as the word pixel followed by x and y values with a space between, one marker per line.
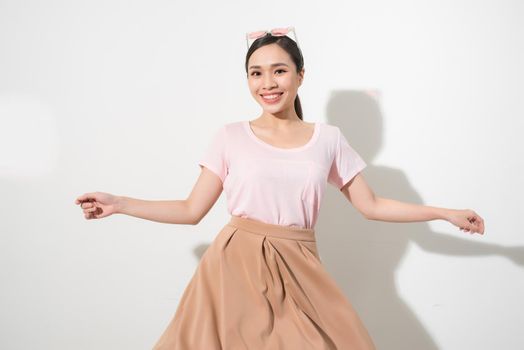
pixel 261 283
pixel 275 66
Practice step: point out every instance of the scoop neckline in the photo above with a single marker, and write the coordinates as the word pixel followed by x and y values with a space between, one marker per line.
pixel 251 133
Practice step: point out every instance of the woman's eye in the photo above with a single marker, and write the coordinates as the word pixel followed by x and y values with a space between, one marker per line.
pixel 278 70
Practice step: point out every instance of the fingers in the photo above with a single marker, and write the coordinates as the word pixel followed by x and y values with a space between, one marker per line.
pixel 92 213
pixel 481 225
pixel 479 222
pixel 475 223
pixel 89 205
pixel 85 197
pixel 90 216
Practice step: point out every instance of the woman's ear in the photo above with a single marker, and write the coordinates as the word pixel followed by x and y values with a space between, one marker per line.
pixel 301 76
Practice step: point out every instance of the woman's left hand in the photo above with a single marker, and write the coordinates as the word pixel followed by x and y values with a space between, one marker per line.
pixel 467 220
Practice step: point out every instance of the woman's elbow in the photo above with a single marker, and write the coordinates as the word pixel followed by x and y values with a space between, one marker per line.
pixel 367 208
pixel 366 213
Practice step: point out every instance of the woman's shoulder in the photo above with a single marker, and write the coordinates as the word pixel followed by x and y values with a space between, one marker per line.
pixel 330 127
pixel 233 127
pixel 229 126
pixel 329 131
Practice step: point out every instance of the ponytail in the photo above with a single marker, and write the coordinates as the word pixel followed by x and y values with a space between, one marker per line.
pixel 298 107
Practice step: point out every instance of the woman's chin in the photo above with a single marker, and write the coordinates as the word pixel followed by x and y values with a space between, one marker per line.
pixel 273 108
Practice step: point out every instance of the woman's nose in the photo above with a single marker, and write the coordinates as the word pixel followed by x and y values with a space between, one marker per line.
pixel 269 82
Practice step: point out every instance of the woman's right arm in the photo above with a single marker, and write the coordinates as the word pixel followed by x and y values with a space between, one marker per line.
pixel 189 211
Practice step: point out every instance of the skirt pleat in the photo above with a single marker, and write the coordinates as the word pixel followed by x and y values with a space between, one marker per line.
pixel 262 286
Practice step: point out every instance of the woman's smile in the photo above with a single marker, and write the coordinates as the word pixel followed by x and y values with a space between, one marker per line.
pixel 272 98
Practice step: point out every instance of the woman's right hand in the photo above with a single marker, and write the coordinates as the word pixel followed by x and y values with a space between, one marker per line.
pixel 98 205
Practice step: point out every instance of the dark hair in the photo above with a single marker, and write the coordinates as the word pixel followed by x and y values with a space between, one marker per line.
pixel 290 46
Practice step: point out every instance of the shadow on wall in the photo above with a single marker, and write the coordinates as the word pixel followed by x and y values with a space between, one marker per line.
pixel 363 255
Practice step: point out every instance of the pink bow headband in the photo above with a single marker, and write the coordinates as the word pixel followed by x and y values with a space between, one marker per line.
pixel 252 36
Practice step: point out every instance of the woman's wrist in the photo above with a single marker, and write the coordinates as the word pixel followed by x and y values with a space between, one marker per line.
pixel 444 213
pixel 120 202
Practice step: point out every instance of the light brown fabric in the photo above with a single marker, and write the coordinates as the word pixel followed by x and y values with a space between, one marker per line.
pixel 262 286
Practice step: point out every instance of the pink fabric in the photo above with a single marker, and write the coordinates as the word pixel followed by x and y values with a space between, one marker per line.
pixel 276 185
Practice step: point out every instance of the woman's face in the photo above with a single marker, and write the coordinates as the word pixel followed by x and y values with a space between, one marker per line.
pixel 271 72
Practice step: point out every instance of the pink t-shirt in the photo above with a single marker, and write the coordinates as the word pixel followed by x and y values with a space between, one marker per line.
pixel 276 185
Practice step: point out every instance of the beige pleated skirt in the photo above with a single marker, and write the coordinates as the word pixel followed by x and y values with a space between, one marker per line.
pixel 261 286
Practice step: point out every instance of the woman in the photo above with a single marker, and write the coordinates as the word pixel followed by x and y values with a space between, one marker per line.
pixel 261 284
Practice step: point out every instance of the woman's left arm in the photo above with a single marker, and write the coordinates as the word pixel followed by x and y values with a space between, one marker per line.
pixel 377 208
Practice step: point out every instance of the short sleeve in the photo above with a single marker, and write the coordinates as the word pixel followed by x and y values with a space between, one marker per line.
pixel 346 162
pixel 215 156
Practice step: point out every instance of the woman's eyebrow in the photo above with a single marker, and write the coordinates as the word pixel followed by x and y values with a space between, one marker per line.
pixel 272 65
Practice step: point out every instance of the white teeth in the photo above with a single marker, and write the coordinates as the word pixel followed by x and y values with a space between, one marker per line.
pixel 271 97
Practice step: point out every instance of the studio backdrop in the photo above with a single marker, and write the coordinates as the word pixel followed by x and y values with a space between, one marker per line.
pixel 124 97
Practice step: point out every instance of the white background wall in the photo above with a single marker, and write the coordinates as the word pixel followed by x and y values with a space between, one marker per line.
pixel 123 97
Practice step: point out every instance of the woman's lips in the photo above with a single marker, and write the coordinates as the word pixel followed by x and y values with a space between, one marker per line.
pixel 272 100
